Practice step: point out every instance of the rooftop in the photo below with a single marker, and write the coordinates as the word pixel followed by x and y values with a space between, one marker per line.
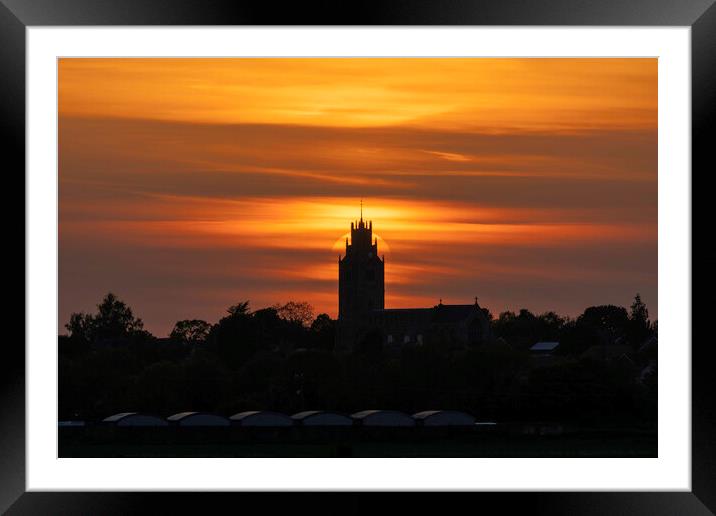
pixel 545 346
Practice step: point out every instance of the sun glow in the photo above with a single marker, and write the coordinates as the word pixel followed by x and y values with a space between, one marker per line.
pixel 339 246
pixel 189 184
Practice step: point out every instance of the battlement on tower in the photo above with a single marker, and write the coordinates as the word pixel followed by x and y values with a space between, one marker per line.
pixel 361 240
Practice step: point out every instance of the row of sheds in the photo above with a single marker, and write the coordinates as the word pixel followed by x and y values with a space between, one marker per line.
pixel 318 418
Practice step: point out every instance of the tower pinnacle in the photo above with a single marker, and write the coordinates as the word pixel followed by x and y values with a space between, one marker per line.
pixel 361 286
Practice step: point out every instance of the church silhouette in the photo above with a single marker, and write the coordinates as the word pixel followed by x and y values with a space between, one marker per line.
pixel 363 318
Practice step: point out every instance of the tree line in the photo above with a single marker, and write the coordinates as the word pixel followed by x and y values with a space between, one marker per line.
pixel 281 358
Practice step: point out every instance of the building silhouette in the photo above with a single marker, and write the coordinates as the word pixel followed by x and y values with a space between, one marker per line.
pixel 362 315
pixel 361 287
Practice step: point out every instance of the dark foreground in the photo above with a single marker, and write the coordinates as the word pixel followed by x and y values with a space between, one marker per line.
pixel 499 441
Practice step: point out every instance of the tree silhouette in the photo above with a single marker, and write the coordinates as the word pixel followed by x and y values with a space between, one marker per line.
pixel 639 312
pixel 239 309
pixel 277 358
pixel 609 321
pixel 639 325
pixel 293 311
pixel 114 319
pixel 521 330
pixel 190 332
pixel 80 326
pixel 323 329
pixel 233 338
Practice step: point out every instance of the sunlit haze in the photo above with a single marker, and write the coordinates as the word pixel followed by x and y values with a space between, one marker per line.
pixel 187 185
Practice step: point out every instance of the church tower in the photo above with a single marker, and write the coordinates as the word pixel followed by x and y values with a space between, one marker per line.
pixel 361 286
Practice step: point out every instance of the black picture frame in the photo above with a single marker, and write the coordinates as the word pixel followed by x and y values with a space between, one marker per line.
pixel 699 15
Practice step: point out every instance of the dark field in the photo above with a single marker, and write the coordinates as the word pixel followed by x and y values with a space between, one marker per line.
pixel 414 442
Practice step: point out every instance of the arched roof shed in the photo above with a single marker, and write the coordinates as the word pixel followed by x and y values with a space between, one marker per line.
pixel 198 419
pixel 321 418
pixel 392 418
pixel 261 418
pixel 444 418
pixel 134 419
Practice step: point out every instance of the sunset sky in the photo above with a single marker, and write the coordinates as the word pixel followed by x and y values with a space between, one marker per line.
pixel 187 185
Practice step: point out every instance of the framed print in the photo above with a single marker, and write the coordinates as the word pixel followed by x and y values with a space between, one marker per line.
pixel 401 247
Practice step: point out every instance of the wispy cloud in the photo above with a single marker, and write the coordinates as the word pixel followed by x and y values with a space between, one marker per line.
pixel 524 182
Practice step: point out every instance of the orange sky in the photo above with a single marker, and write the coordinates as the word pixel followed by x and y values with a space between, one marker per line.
pixel 187 185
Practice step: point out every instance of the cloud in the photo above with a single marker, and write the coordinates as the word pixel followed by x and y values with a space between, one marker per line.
pixel 476 93
pixel 527 183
